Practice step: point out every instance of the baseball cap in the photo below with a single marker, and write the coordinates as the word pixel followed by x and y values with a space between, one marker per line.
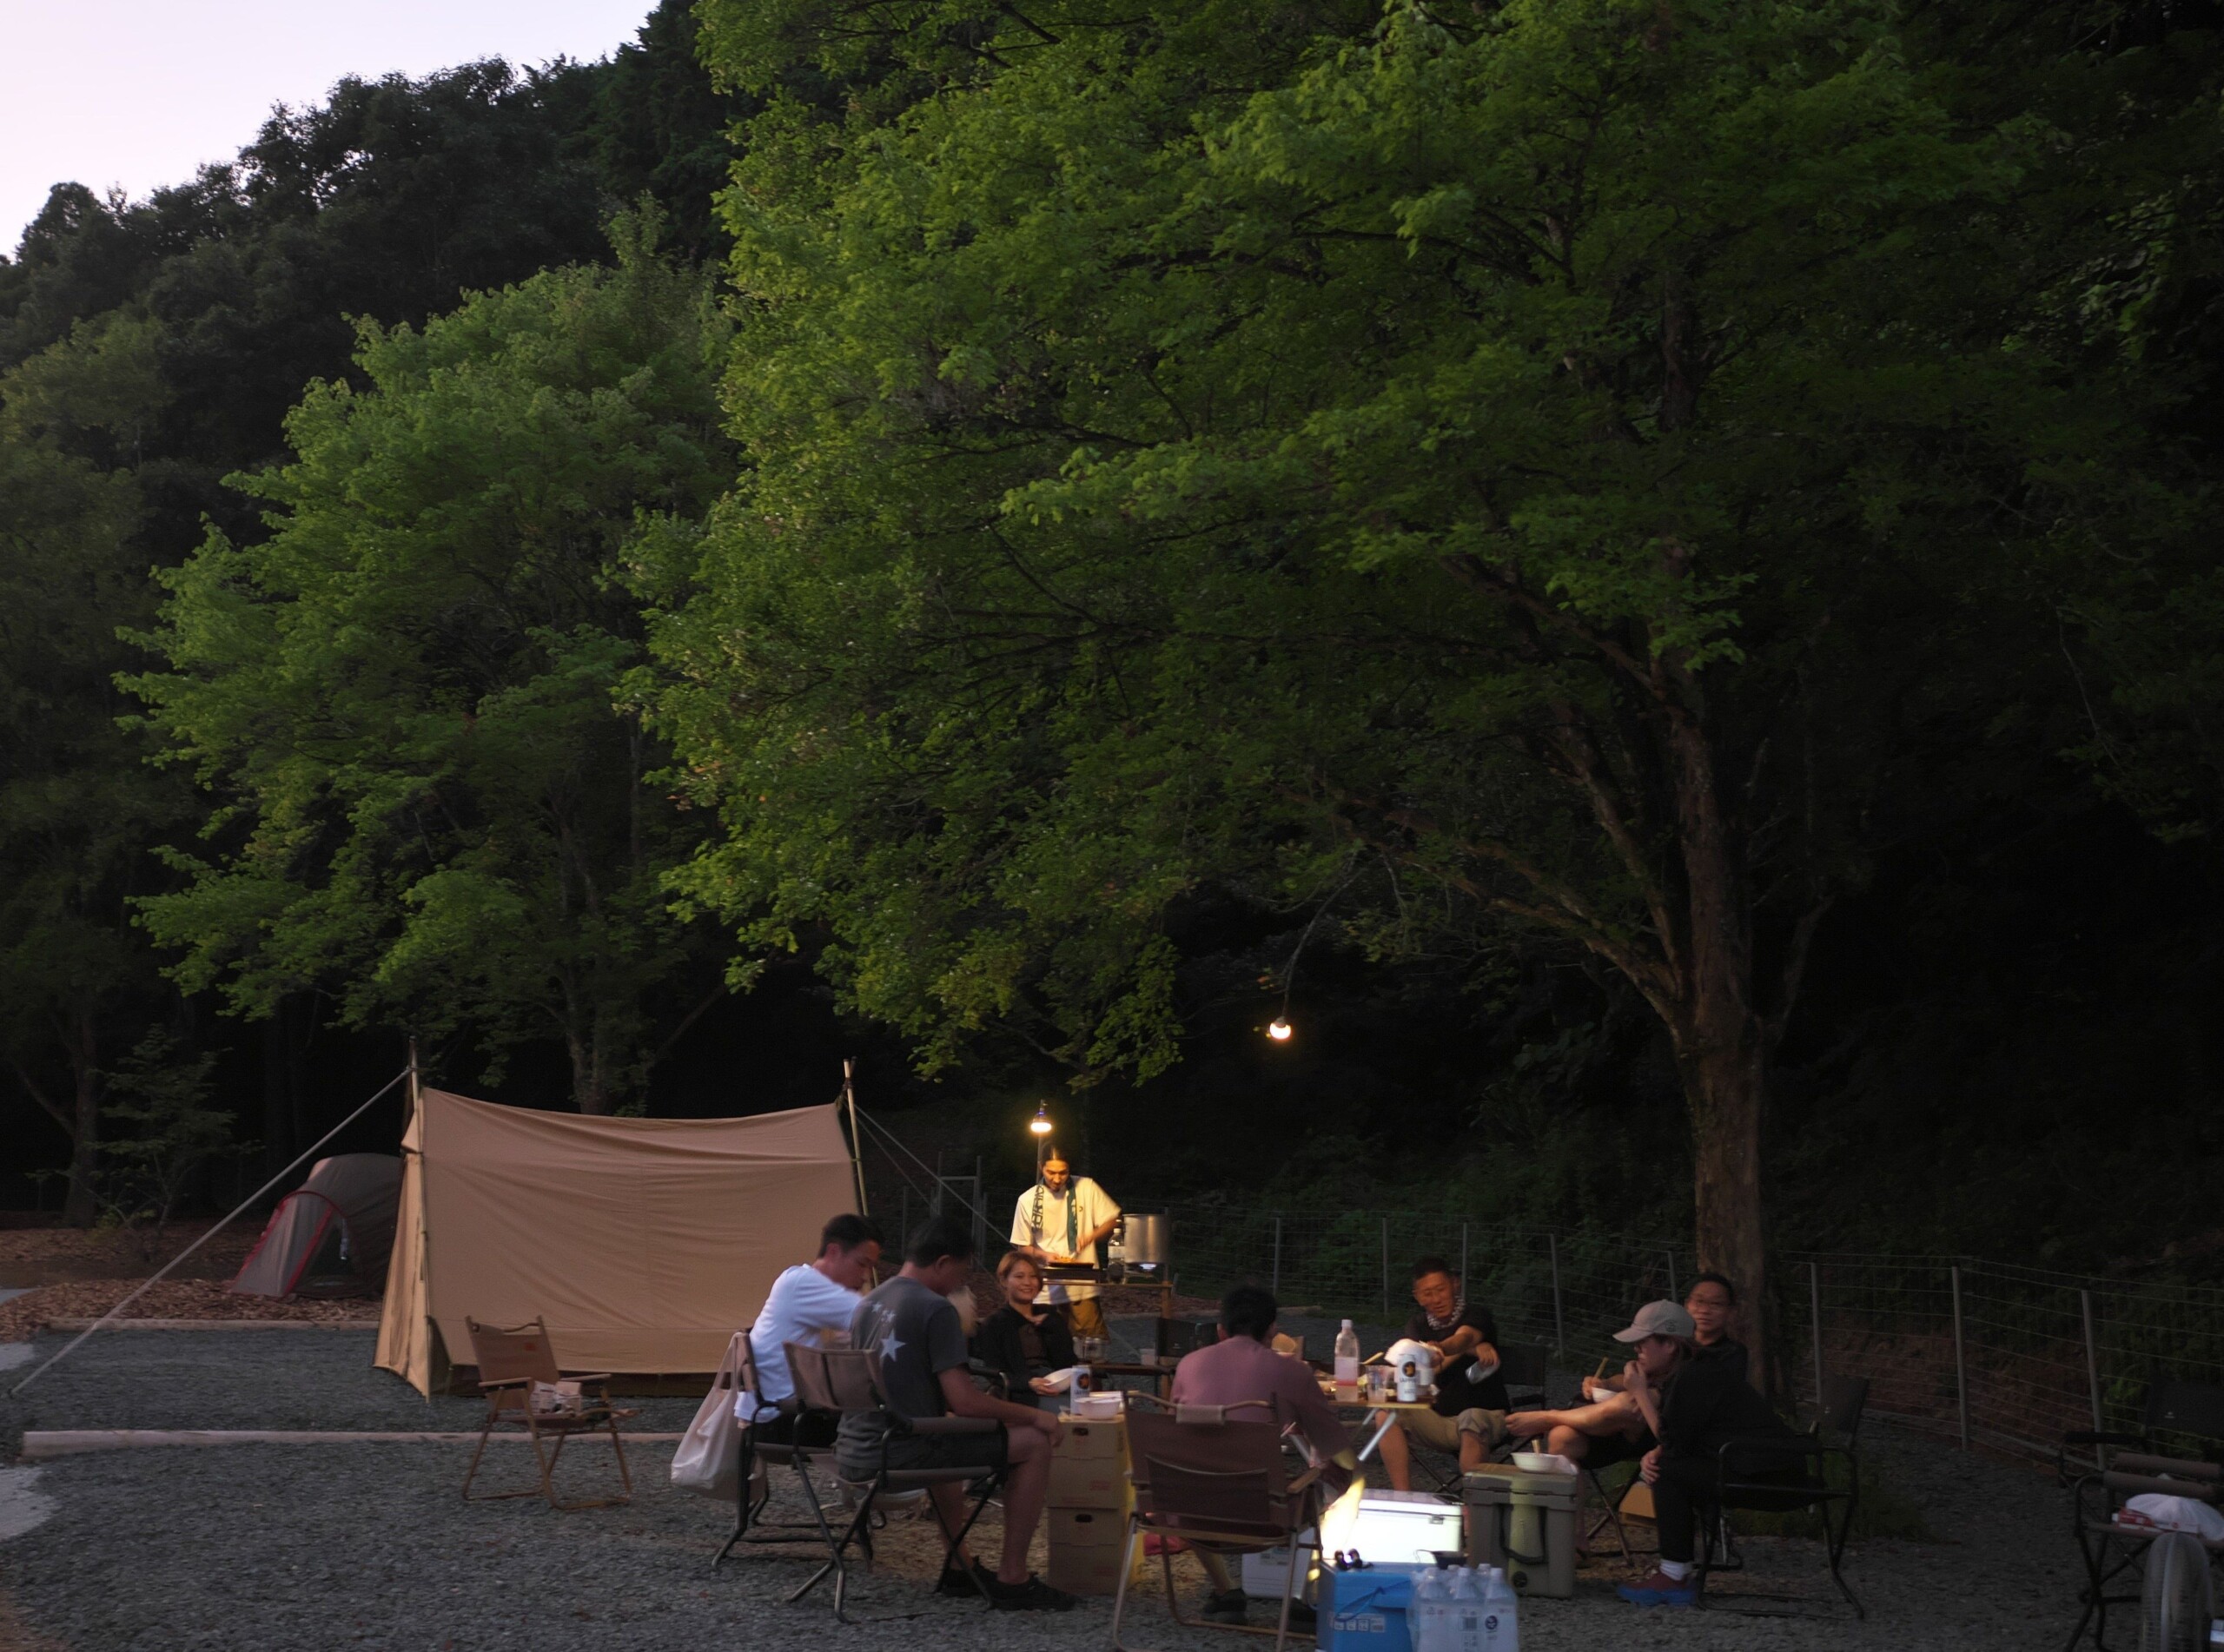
pixel 1659 1319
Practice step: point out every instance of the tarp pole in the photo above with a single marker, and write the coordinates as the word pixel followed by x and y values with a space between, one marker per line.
pixel 857 1142
pixel 408 1072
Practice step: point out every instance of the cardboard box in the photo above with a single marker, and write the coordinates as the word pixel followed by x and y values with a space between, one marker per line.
pixel 1088 1469
pixel 1086 1549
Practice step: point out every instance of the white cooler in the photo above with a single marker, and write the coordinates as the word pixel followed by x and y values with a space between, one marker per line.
pixel 1411 1528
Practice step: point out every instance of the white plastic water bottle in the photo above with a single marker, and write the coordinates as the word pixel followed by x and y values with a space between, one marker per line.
pixel 1465 1613
pixel 1424 1609
pixel 1501 1614
pixel 1346 1357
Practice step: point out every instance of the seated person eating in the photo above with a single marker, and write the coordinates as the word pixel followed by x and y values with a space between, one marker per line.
pixel 1025 1341
pixel 1243 1366
pixel 1468 1415
pixel 1696 1406
pixel 1610 1427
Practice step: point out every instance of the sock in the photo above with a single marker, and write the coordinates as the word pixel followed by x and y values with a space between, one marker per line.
pixel 1676 1570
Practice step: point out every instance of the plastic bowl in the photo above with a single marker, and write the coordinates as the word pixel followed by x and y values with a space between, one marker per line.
pixel 1541 1461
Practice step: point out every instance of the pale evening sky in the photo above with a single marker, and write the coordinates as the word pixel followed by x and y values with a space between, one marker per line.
pixel 141 92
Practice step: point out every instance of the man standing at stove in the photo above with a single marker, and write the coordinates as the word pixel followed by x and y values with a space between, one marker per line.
pixel 1065 1218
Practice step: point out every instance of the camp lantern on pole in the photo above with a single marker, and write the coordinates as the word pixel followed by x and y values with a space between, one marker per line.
pixel 1278 1030
pixel 1040 1124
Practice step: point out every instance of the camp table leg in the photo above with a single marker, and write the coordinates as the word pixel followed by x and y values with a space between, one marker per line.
pixel 1389 1421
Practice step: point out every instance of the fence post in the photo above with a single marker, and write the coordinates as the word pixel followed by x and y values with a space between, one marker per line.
pixel 980 1212
pixel 1559 1324
pixel 1961 1365
pixel 1463 1256
pixel 1815 1326
pixel 2092 1370
pixel 903 1233
pixel 1672 1297
pixel 1385 1267
pixel 1278 1253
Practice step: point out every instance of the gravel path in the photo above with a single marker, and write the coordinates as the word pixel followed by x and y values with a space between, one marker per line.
pixel 285 1548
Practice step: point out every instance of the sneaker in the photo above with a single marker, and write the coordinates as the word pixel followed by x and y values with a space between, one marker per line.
pixel 1033 1596
pixel 1661 1590
pixel 1226 1606
pixel 970 1583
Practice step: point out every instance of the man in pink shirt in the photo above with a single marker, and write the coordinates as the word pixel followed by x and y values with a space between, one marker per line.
pixel 1242 1366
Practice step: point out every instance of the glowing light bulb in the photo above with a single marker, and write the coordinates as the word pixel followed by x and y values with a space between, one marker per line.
pixel 1279 1030
pixel 1040 1124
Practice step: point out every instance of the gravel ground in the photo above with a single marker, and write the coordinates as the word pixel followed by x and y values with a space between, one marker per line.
pixel 287 1548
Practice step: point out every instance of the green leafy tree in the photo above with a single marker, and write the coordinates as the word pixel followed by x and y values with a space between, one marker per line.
pixel 428 805
pixel 1519 475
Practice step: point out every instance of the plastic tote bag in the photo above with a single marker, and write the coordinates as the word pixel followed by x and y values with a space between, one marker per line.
pixel 709 1457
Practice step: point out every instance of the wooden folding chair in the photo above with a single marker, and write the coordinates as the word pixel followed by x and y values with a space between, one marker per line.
pixel 510 1362
pixel 1207 1478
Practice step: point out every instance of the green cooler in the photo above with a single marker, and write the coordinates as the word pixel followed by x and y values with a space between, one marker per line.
pixel 1525 1522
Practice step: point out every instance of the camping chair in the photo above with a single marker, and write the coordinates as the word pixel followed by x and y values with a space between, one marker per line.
pixel 1206 1477
pixel 761 1456
pixel 840 1381
pixel 511 1363
pixel 2127 1466
pixel 1845 1401
pixel 1524 1366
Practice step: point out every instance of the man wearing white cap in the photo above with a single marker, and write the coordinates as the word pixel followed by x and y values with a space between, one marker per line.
pixel 1694 1408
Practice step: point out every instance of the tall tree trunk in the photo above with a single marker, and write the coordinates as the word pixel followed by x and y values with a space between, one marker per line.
pixel 1720 1039
pixel 590 1081
pixel 82 1204
pixel 1724 1077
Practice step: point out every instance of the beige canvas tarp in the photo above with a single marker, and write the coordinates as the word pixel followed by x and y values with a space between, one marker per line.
pixel 643 1243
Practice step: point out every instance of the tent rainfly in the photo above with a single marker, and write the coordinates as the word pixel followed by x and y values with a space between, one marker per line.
pixel 336 1225
pixel 643 1243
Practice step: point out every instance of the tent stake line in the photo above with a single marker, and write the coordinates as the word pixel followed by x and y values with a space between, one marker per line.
pixel 68 1349
pixel 39 1446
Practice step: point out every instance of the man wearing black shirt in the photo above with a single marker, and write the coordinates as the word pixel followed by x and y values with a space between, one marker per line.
pixel 1468 1415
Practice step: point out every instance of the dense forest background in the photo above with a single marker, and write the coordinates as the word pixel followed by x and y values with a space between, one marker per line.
pixel 362 503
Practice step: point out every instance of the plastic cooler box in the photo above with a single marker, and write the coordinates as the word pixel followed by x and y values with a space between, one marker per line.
pixel 1524 1521
pixel 1367 1611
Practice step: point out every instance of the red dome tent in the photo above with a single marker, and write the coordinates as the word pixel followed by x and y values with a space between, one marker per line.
pixel 338 1226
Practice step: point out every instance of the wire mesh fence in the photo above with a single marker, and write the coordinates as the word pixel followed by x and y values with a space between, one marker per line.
pixel 1989 1354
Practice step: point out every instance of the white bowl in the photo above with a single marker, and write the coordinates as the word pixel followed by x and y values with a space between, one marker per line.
pixel 1543 1463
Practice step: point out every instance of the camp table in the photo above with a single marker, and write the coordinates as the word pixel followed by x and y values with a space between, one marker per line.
pixel 1389 1407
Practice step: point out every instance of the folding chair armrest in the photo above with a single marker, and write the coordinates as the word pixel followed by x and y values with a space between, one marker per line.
pixel 593 1377
pixel 2102 1436
pixel 953 1426
pixel 506 1382
pixel 2063 1474
pixel 1305 1480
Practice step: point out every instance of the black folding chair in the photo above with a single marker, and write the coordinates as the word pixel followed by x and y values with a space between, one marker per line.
pixel 1525 1366
pixel 1738 1465
pixel 840 1380
pixel 756 1454
pixel 2125 1466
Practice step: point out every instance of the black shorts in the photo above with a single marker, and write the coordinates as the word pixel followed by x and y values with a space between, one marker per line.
pixel 796 1428
pixel 986 1452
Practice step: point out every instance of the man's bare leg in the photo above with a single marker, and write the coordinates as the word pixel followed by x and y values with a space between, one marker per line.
pixel 949 1500
pixel 1397 1455
pixel 1025 1490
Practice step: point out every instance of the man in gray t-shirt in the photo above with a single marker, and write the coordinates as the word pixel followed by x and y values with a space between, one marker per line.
pixel 912 1331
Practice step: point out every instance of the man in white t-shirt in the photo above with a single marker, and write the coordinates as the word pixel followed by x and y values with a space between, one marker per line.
pixel 1065 1217
pixel 810 1302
